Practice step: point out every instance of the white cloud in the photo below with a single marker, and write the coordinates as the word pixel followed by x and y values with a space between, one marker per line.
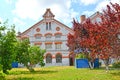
pixel 34 9
pixel 102 4
pixel 0 19
pixel 27 9
pixel 88 13
pixel 115 1
pixel 88 2
pixel 19 22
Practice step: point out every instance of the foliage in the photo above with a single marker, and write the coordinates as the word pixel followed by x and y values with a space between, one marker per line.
pixel 7 46
pixel 58 73
pixel 98 39
pixel 29 55
pixel 116 64
pixel 22 54
pixel 80 56
pixel 36 56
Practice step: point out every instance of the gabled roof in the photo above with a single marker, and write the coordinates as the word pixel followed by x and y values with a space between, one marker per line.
pixel 56 21
pixel 48 13
pixel 96 14
pixel 63 25
pixel 32 27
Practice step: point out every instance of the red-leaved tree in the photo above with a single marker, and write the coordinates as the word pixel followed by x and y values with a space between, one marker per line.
pixel 100 39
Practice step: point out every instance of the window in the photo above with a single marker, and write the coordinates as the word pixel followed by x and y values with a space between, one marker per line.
pixel 38 36
pixel 48 36
pixel 38 30
pixel 57 46
pixel 58 36
pixel 48 46
pixel 48 25
pixel 57 28
pixel 48 58
pixel 58 58
pixel 98 19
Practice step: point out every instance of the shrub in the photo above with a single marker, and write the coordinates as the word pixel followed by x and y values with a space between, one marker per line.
pixel 80 56
pixel 116 64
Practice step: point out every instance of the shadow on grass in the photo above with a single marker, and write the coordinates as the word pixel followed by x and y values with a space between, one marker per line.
pixel 21 78
pixel 2 78
pixel 35 72
pixel 24 78
pixel 116 73
pixel 103 68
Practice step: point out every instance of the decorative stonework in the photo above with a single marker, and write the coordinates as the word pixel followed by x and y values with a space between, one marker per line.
pixel 58 33
pixel 48 34
pixel 38 29
pixel 35 35
pixel 57 29
pixel 37 43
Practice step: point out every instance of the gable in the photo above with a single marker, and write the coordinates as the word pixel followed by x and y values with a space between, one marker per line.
pixel 32 27
pixel 96 17
pixel 63 26
pixel 41 26
pixel 48 14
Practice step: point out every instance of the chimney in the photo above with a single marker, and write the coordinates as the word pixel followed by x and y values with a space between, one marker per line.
pixel 82 18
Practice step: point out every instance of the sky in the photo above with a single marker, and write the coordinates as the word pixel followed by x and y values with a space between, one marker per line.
pixel 25 13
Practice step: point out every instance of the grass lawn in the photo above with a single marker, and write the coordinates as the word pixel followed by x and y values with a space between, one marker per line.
pixel 63 73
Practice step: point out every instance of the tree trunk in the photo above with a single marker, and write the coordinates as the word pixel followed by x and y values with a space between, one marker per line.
pixel 30 67
pixel 106 61
pixel 91 65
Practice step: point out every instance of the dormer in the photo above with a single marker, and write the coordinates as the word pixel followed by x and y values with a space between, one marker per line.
pixel 48 14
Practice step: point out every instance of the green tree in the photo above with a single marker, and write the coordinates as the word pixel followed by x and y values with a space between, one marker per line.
pixel 36 56
pixel 29 55
pixel 7 46
pixel 22 55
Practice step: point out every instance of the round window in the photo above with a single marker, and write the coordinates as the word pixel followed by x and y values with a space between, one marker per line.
pixel 57 28
pixel 38 29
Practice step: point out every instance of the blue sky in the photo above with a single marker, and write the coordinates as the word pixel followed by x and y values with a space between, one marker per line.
pixel 25 13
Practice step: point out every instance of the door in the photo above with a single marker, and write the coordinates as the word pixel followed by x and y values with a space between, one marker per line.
pixel 71 59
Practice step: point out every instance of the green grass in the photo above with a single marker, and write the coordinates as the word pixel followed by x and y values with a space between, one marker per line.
pixel 63 73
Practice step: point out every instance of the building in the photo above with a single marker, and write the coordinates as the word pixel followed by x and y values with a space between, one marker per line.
pixel 96 17
pixel 50 34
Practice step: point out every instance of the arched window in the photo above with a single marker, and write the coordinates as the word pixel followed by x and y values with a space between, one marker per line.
pixel 48 36
pixel 58 58
pixel 58 35
pixel 48 58
pixel 38 36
